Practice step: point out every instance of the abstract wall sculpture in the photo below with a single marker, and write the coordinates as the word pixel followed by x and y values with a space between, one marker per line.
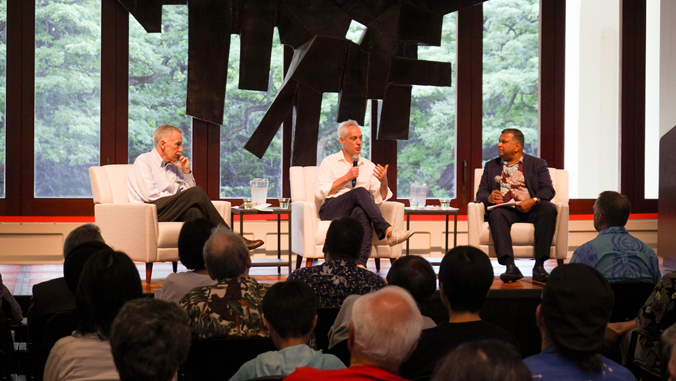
pixel 383 65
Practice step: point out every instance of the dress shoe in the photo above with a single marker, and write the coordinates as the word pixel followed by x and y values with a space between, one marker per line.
pixel 252 244
pixel 399 236
pixel 540 274
pixel 511 275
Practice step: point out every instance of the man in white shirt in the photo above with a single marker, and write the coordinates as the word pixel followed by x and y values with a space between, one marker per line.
pixel 163 177
pixel 353 190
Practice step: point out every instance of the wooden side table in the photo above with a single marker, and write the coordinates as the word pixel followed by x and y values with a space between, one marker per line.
pixel 434 212
pixel 279 262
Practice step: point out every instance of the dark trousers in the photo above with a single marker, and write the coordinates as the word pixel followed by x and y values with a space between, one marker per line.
pixel 359 204
pixel 188 205
pixel 542 216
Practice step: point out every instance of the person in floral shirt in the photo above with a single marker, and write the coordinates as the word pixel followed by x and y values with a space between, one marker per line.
pixel 232 307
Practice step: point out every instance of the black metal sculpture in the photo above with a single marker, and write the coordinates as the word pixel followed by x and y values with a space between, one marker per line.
pixel 383 65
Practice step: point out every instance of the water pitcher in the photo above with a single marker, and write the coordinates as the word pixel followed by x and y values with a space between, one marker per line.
pixel 259 191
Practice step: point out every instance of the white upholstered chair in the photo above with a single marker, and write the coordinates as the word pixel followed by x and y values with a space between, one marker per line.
pixel 309 232
pixel 523 234
pixel 132 227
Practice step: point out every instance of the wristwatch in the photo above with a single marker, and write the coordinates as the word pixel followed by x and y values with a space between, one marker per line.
pixel 536 199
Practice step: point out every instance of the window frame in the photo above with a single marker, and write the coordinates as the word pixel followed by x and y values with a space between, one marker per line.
pixel 19 199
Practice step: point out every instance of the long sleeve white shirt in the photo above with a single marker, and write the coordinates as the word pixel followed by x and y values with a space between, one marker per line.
pixel 151 178
pixel 335 166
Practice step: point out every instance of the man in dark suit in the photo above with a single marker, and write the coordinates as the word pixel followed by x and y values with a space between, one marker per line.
pixel 524 179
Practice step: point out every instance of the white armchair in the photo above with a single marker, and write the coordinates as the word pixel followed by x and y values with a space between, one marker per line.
pixel 132 227
pixel 309 232
pixel 523 237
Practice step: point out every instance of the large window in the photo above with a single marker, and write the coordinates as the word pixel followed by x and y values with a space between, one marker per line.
pixel 244 110
pixel 510 72
pixel 158 70
pixel 429 153
pixel 592 154
pixel 3 93
pixel 67 96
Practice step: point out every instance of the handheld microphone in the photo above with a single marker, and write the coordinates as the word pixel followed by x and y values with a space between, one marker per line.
pixel 355 162
pixel 498 184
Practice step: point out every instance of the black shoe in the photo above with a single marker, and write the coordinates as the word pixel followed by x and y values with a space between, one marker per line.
pixel 252 244
pixel 511 275
pixel 540 274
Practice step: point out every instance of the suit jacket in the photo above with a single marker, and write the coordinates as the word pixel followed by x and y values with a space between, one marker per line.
pixel 535 171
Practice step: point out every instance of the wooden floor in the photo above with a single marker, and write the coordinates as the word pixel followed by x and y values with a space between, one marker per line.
pixel 21 278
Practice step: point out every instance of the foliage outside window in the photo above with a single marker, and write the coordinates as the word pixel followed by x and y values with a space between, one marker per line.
pixel 67 96
pixel 158 70
pixel 429 153
pixel 243 111
pixel 510 72
pixel 3 91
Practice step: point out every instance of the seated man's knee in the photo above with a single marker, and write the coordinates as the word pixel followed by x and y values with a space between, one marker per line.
pixel 192 214
pixel 498 214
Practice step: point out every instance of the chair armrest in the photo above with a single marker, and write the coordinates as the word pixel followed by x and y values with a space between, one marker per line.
pixel 131 228
pixel 223 208
pixel 393 212
pixel 304 220
pixel 475 220
pixel 561 232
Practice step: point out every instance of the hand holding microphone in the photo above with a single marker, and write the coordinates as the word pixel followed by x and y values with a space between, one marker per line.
pixel 355 162
pixel 497 193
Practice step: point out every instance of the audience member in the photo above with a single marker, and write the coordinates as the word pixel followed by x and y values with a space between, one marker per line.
pixel 668 344
pixel 191 241
pixel 109 279
pixel 150 339
pixel 658 312
pixel 290 313
pixel 53 296
pixel 482 360
pixel 63 323
pixel 412 273
pixel 384 331
pixel 232 307
pixel 465 277
pixel 618 255
pixel 339 276
pixel 577 302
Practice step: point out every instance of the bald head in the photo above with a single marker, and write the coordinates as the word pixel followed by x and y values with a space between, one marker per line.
pixel 225 254
pixel 385 327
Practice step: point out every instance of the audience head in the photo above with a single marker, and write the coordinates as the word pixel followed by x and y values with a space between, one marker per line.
pixel 611 209
pixel 290 309
pixel 577 302
pixel 385 327
pixel 343 239
pixel 163 132
pixel 225 255
pixel 414 274
pixel 108 280
pixel 80 235
pixel 465 277
pixel 76 259
pixel 194 234
pixel 668 352
pixel 150 339
pixel 482 360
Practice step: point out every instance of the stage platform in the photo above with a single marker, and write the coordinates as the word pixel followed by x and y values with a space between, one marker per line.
pixel 20 279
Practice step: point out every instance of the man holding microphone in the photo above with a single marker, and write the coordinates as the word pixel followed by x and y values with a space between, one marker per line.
pixel 524 179
pixel 350 185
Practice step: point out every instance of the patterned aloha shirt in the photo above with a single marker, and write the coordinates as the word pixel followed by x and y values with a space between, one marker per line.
pixel 656 314
pixel 333 281
pixel 513 182
pixel 232 307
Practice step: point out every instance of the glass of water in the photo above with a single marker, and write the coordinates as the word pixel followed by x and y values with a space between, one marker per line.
pixel 445 203
pixel 284 203
pixel 247 204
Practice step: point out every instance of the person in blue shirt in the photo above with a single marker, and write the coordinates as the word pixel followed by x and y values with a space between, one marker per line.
pixel 577 302
pixel 618 255
pixel 290 313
